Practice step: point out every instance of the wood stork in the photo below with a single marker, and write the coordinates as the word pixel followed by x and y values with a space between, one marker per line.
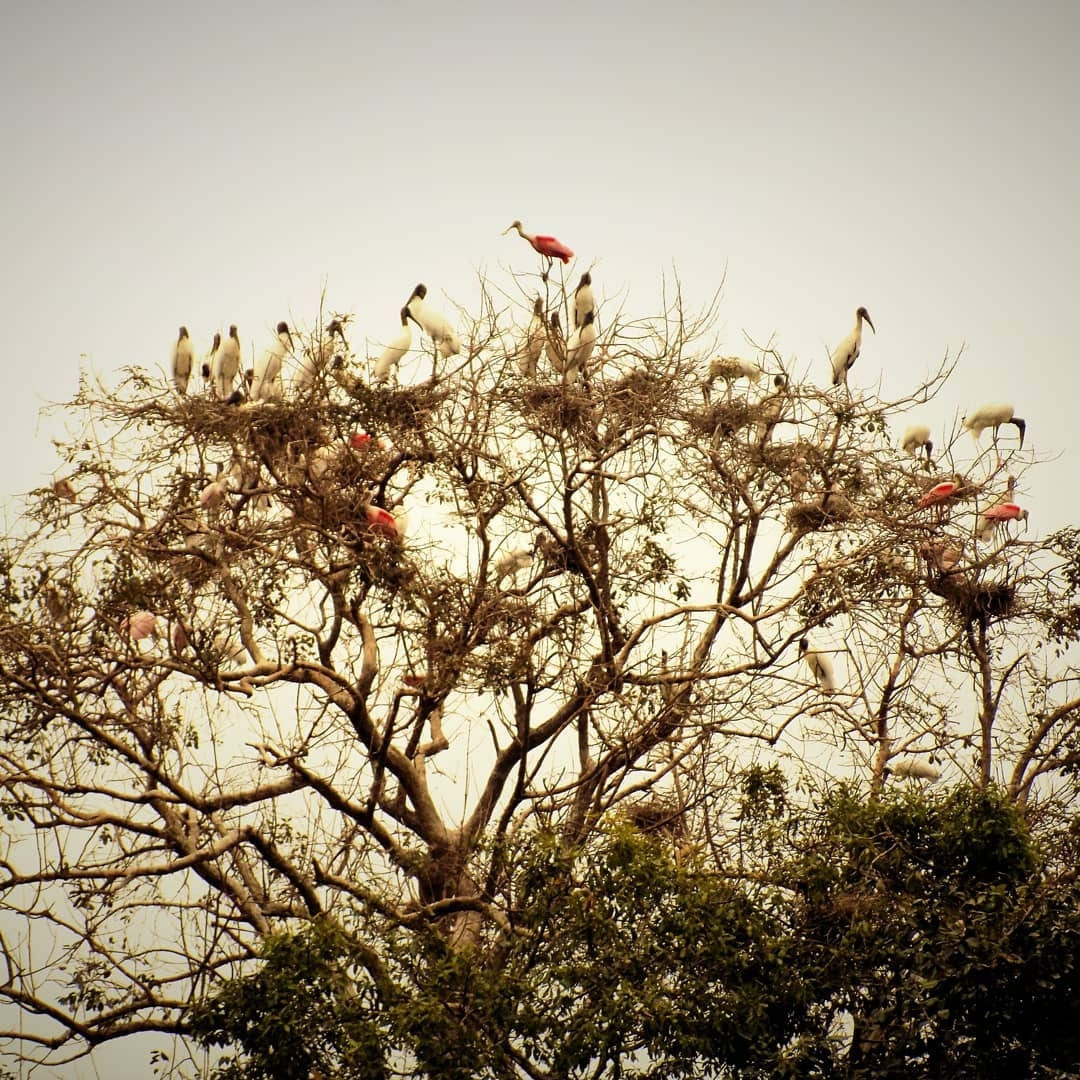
pixel 913 769
pixel 547 246
pixel 511 564
pixel 579 348
pixel 730 369
pixel 993 416
pixel 555 346
pixel 208 360
pixel 535 337
pixel 266 382
pixel 395 349
pixel 770 409
pixel 434 323
pixel 183 360
pixel 916 438
pixel 226 364
pixel 820 666
pixel 584 301
pixel 847 352
pixel 318 356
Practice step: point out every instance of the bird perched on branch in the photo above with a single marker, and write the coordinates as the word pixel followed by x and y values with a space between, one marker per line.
pixel 183 360
pixel 913 769
pixel 226 364
pixel 820 666
pixel 395 349
pixel 579 348
pixel 433 323
pixel 266 381
pixel 1006 510
pixel 993 416
pixel 547 246
pixel 555 346
pixel 916 438
pixel 847 352
pixel 535 337
pixel 319 356
pixel 208 361
pixel 584 301
pixel 730 369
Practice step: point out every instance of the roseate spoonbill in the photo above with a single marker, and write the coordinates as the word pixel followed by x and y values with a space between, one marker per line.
pixel 534 341
pixel 383 523
pixel 555 347
pixel 547 246
pixel 938 494
pixel 434 324
pixel 584 301
pixel 266 382
pixel 941 556
pixel 226 364
pixel 820 666
pixel 208 360
pixel 395 349
pixel 1006 510
pixel 847 352
pixel 319 355
pixel 914 769
pixel 916 438
pixel 579 348
pixel 993 416
pixel 183 360
pixel 140 625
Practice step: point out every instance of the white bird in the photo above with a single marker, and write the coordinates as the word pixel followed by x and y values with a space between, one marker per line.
pixel 395 349
pixel 993 416
pixel 226 364
pixel 183 360
pixel 915 770
pixel 820 665
pixel 208 360
pixel 266 384
pixel 318 356
pixel 731 368
pixel 770 409
pixel 916 438
pixel 534 341
pixel 434 323
pixel 579 347
pixel 555 345
pixel 847 352
pixel 584 301
pixel 511 564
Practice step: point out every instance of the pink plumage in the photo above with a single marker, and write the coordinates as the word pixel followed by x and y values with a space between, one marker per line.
pixel 938 494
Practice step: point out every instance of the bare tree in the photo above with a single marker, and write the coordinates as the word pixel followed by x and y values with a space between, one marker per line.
pixel 340 651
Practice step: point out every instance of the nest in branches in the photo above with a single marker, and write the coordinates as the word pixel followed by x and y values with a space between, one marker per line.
pixel 558 407
pixel 725 416
pixel 657 817
pixel 831 510
pixel 974 599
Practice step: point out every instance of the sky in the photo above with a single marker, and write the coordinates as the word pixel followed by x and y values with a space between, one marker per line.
pixel 207 164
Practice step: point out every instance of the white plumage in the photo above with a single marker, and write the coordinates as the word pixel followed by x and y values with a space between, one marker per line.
pixel 847 352
pixel 993 416
pixel 183 360
pixel 434 323
pixel 555 345
pixel 915 770
pixel 821 667
pixel 226 364
pixel 395 349
pixel 511 564
pixel 579 347
pixel 208 361
pixel 318 356
pixel 266 385
pixel 535 337
pixel 731 368
pixel 916 438
pixel 584 301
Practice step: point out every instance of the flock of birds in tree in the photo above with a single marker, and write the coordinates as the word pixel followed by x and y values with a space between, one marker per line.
pixel 568 356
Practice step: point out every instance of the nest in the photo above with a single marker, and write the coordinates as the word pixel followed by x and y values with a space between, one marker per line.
pixel 725 416
pixel 558 407
pixel 832 510
pixel 974 599
pixel 657 817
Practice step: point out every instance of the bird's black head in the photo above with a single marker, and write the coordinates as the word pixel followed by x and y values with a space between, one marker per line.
pixel 555 319
pixel 233 332
pixel 183 332
pixel 538 306
pixel 586 279
pixel 217 342
pixel 206 371
pixel 283 327
pixel 420 290
pixel 804 644
pixel 862 313
pixel 335 328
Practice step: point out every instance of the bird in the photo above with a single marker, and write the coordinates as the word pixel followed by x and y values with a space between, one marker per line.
pixel 913 769
pixel 584 301
pixel 770 409
pixel 916 438
pixel 579 347
pixel 555 346
pixel 941 556
pixel 208 360
pixel 534 341
pixel 383 523
pixel 433 323
pixel 731 368
pixel 226 363
pixel 820 666
pixel 938 494
pixel 993 416
pixel 847 352
pixel 547 246
pixel 395 349
pixel 511 564
pixel 140 625
pixel 318 356
pixel 1005 510
pixel 183 360
pixel 64 489
pixel 266 384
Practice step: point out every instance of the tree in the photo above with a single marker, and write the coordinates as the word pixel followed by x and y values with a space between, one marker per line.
pixel 237 701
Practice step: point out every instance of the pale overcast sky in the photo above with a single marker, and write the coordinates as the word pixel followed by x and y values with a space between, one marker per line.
pixel 212 163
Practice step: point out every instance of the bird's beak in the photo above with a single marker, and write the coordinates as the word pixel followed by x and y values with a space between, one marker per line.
pixel 870 322
pixel 509 228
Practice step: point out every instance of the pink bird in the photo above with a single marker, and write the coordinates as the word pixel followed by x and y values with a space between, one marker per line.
pixel 547 246
pixel 141 625
pixel 938 494
pixel 998 515
pixel 383 523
